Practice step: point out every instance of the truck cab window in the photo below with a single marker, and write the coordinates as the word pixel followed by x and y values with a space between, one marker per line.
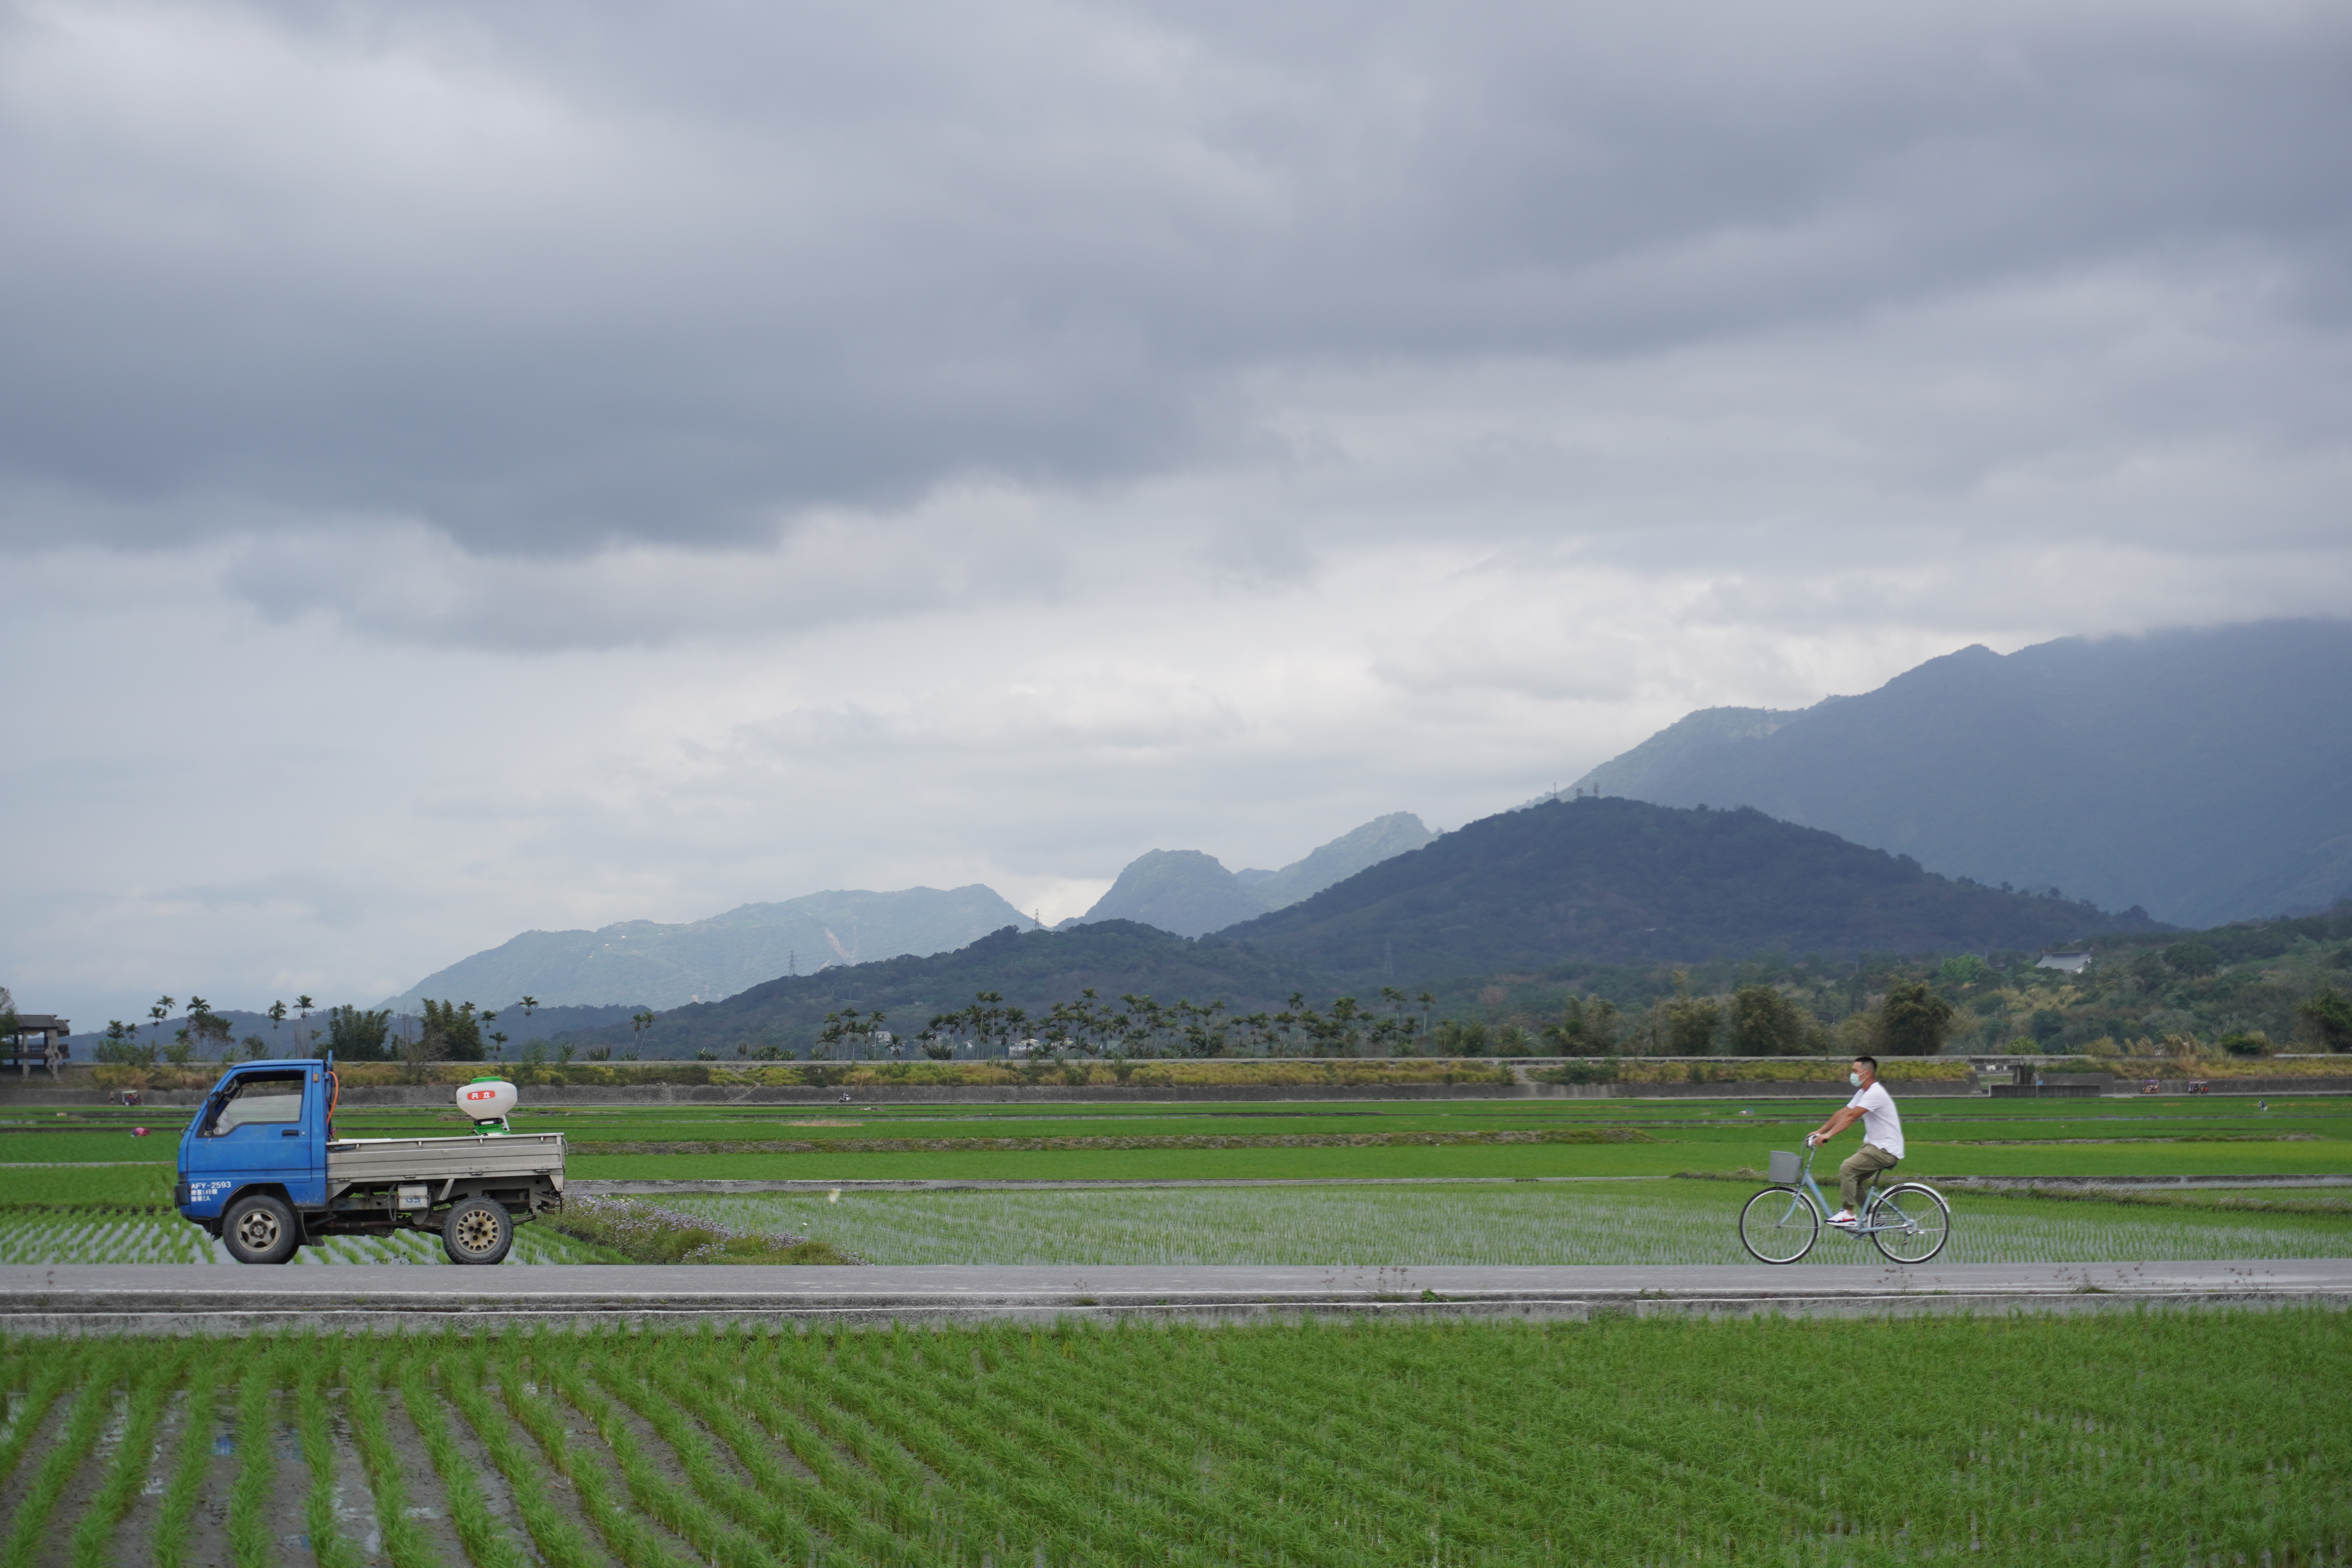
pixel 257 1096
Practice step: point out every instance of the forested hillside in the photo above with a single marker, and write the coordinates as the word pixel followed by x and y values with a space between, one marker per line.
pixel 2204 776
pixel 1623 881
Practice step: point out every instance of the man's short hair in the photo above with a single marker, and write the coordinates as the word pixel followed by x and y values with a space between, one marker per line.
pixel 1873 1064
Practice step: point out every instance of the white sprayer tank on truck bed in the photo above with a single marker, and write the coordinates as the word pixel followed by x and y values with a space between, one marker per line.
pixel 262 1170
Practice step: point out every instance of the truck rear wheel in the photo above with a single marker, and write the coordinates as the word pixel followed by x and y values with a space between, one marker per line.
pixel 260 1229
pixel 479 1230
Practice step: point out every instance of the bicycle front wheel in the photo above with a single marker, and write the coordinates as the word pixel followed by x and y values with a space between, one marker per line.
pixel 1910 1223
pixel 1779 1225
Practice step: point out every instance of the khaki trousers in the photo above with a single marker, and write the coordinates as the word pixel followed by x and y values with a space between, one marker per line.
pixel 1854 1176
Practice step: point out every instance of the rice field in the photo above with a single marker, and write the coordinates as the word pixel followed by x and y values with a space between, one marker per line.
pixel 1603 1223
pixel 127 1235
pixel 1606 1223
pixel 2156 1437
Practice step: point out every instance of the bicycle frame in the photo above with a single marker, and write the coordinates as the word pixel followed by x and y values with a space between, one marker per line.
pixel 1861 1226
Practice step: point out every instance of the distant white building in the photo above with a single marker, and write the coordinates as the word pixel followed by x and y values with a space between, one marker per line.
pixel 2064 962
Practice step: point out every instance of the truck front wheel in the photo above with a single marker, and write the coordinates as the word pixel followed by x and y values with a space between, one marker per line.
pixel 479 1230
pixel 260 1229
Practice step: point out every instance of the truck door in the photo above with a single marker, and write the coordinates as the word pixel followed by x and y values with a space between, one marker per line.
pixel 256 1131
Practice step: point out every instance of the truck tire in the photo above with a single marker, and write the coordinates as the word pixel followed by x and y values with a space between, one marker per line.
pixel 260 1229
pixel 479 1230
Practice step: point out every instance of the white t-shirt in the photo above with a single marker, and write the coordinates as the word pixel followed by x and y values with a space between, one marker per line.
pixel 1880 1124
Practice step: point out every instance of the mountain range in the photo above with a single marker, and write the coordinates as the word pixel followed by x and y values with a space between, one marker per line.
pixel 1585 882
pixel 644 963
pixel 1190 893
pixel 2204 776
pixel 649 964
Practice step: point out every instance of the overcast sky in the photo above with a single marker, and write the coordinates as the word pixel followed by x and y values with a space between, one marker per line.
pixel 467 468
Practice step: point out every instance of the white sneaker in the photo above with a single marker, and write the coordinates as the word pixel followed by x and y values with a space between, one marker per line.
pixel 1841 1217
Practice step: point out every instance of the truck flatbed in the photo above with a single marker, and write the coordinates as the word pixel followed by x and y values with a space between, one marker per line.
pixel 359 1162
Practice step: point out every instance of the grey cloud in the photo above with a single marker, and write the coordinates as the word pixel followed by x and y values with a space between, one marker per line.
pixel 551 280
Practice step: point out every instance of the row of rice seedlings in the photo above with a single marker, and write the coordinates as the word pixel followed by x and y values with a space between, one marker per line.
pixel 249 1541
pixel 403 1541
pixel 169 1545
pixel 128 1472
pixel 766 1416
pixel 673 1417
pixel 1162 1477
pixel 1627 1224
pixel 844 1401
pixel 681 1510
pixel 92 1401
pixel 113 1236
pixel 465 1377
pixel 486 1540
pixel 328 1543
pixel 1017 1460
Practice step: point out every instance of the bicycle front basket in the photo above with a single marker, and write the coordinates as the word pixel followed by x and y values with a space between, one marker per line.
pixel 1785 1166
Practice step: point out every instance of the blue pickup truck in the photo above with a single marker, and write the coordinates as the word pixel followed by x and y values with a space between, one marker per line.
pixel 263 1171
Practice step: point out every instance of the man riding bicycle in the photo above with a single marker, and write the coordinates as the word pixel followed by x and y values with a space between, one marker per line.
pixel 1882 1136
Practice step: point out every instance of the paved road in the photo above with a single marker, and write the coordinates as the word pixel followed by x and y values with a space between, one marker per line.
pixel 168 1298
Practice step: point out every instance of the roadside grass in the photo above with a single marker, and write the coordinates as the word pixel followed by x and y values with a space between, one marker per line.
pixel 2146 1435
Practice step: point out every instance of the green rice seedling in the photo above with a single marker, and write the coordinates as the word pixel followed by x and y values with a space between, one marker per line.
pixel 170 1542
pixel 686 1514
pixel 249 1496
pixel 479 1531
pixel 363 1373
pixel 51 1379
pixel 328 1543
pixel 666 1409
pixel 1158 1499
pixel 852 1508
pixel 464 1374
pixel 1031 1460
pixel 105 1510
pixel 93 1400
pixel 798 1395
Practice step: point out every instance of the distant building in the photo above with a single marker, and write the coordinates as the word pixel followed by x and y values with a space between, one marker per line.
pixel 52 1030
pixel 2064 962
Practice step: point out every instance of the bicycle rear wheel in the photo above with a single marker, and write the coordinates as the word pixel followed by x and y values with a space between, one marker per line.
pixel 1779 1225
pixel 1910 1223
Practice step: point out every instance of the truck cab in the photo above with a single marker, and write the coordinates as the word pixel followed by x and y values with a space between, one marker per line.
pixel 262 1171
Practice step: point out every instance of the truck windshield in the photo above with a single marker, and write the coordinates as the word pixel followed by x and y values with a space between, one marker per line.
pixel 257 1096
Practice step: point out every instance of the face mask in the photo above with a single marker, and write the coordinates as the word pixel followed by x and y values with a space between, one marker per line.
pixel 1855 1078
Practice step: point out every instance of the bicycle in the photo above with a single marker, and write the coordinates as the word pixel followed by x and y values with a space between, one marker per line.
pixel 1908 1222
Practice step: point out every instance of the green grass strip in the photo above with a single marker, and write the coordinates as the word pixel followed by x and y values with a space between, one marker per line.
pixel 95 1533
pixel 250 1495
pixel 403 1541
pixel 463 1377
pixel 485 1540
pixel 328 1542
pixel 92 1402
pixel 170 1546
pixel 631 1541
